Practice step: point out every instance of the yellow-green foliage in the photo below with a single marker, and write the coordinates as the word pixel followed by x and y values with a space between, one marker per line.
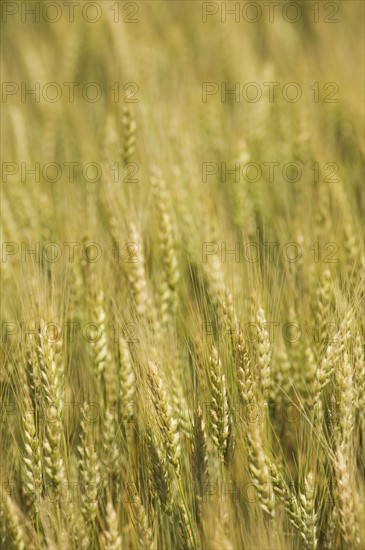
pixel 182 346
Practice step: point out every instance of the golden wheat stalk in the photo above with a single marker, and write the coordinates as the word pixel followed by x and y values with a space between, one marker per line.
pixel 168 299
pixel 166 422
pixel 219 405
pixel 52 374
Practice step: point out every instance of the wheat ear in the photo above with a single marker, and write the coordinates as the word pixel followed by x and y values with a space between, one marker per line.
pixel 102 355
pixel 229 315
pixel 301 511
pixel 137 274
pixel 263 350
pixel 200 453
pixel 129 134
pixel 359 366
pixel 281 386
pixel 323 308
pixel 345 382
pixel 244 374
pixel 170 272
pixel 258 462
pixel 180 410
pixel 219 405
pixel 167 424
pixel 127 383
pixel 259 469
pixel 112 539
pixel 187 536
pixel 110 449
pixel 330 359
pixel 89 471
pixel 144 532
pixel 311 377
pixel 32 455
pixel 52 373
pixel 308 515
pixel 12 533
pixel 346 509
pixel 160 475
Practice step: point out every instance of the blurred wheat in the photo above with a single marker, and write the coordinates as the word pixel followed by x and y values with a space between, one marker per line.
pixel 153 419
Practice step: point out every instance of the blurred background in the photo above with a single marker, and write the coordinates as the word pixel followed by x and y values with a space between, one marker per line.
pixel 94 63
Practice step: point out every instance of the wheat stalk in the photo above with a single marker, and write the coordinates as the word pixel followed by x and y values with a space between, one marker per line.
pixel 144 532
pixel 301 510
pixel 196 253
pixel 258 463
pixel 52 373
pixel 219 405
pixel 346 510
pixel 200 453
pixel 323 308
pixel 12 531
pixel 100 345
pixel 161 479
pixel 344 378
pixel 181 410
pixel 263 348
pixel 188 538
pixel 89 468
pixel 167 424
pixel 137 274
pixel 308 516
pixel 111 451
pixel 127 383
pixel 359 374
pixel 170 276
pixel 112 539
pixel 32 456
pixel 312 386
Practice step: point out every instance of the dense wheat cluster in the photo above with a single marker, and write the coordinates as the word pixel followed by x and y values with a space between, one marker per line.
pixel 182 276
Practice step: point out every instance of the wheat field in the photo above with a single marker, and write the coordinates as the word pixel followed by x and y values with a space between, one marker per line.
pixel 182 275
